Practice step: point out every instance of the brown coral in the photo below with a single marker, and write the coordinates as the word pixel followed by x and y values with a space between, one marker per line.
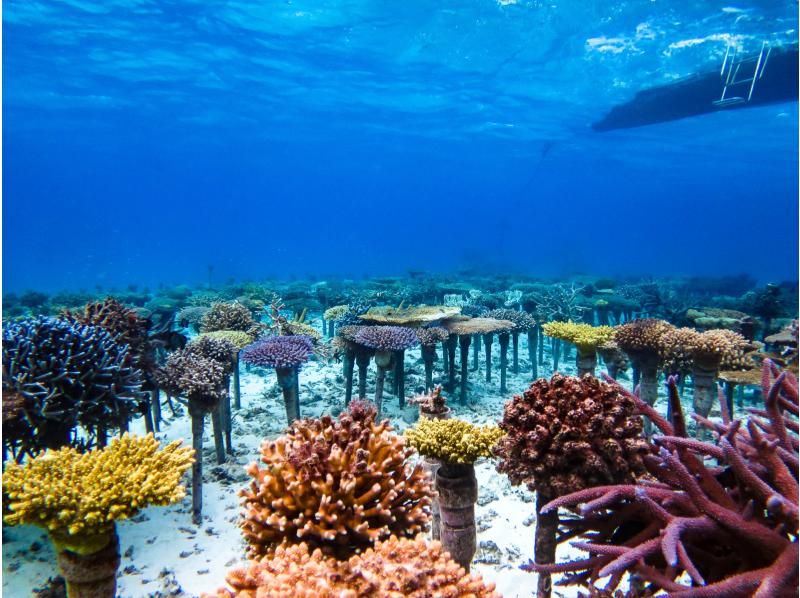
pixel 230 316
pixel 641 338
pixel 394 568
pixel 675 350
pixel 720 349
pixel 568 433
pixel 338 485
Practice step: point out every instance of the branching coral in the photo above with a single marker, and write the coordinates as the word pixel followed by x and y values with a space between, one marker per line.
pixel 237 338
pixel 230 316
pixel 385 341
pixel 339 485
pixel 278 352
pixel 191 316
pixel 68 374
pixel 387 338
pixel 336 312
pixel 199 378
pixel 77 497
pixel 124 324
pixel 393 568
pixel 432 404
pixel 453 440
pixel 585 337
pixel 731 528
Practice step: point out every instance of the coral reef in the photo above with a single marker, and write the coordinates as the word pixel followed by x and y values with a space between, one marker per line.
pixel 230 316
pixel 68 374
pixel 394 567
pixel 77 497
pixel 191 316
pixel 338 485
pixel 453 440
pixel 728 529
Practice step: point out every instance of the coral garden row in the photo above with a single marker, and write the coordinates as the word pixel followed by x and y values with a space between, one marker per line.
pixel 340 506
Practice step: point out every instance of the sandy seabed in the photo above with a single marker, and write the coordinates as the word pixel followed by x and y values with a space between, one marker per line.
pixel 164 554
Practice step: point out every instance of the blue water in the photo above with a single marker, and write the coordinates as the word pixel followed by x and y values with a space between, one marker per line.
pixel 146 141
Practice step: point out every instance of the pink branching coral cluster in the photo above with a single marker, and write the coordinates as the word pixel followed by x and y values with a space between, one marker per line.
pixel 729 529
pixel 394 567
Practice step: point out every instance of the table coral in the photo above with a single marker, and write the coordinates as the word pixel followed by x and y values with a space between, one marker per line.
pixel 78 496
pixel 237 338
pixel 453 440
pixel 728 528
pixel 394 568
pixel 585 337
pixel 279 352
pixel 337 484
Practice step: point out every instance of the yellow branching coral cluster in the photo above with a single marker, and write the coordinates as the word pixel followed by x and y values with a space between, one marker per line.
pixel 335 312
pixel 81 495
pixel 394 568
pixel 300 329
pixel 585 336
pixel 237 338
pixel 339 485
pixel 453 440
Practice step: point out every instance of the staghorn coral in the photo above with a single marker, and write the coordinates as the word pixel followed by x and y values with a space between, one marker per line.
pixel 78 497
pixel 641 338
pixel 230 316
pixel 393 568
pixel 729 528
pixel 278 352
pixel 69 374
pixel 237 338
pixel 124 324
pixel 338 485
pixel 453 440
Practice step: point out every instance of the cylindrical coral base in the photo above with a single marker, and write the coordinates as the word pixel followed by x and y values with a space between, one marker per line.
pixel 458 493
pixel 93 575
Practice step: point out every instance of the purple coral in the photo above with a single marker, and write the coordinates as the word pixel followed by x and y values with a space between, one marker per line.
pixel 387 338
pixel 279 352
pixel 286 354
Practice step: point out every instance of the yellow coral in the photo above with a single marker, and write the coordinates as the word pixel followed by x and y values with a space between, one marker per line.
pixel 335 312
pixel 78 497
pixel 237 338
pixel 300 329
pixel 585 336
pixel 453 440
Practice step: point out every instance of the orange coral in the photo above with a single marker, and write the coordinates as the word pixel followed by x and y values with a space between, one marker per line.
pixel 339 485
pixel 394 568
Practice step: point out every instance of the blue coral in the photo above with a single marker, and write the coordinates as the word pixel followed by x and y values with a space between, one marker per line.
pixel 387 338
pixel 278 351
